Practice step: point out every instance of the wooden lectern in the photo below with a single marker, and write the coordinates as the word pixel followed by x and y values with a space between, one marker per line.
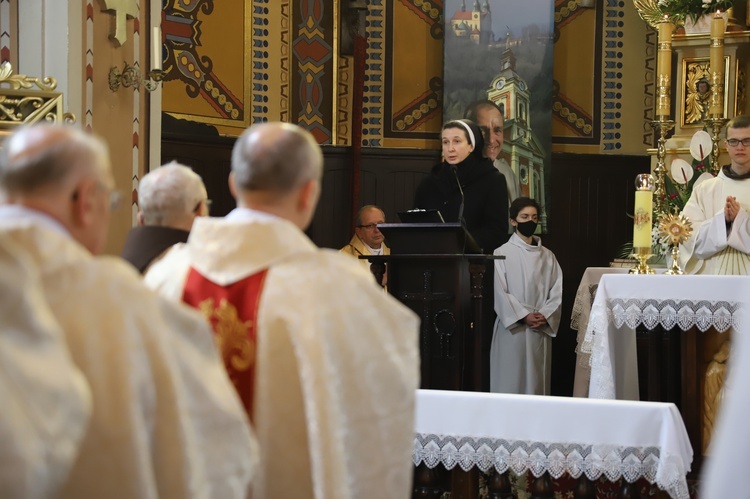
pixel 437 270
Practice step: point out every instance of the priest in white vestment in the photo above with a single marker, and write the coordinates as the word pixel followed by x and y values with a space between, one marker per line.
pixel 46 402
pixel 166 422
pixel 326 364
pixel 718 210
pixel 528 301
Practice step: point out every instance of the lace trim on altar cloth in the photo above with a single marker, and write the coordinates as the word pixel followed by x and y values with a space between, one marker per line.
pixel 579 320
pixel 614 462
pixel 633 312
pixel 684 314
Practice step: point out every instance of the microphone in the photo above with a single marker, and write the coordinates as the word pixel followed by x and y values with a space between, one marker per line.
pixel 460 190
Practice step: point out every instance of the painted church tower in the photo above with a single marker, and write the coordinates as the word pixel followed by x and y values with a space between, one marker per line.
pixel 521 148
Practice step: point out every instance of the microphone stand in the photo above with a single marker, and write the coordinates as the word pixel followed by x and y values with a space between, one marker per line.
pixel 461 191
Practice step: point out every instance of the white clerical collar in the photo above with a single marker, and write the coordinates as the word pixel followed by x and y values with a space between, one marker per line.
pixel 374 251
pixel 18 212
pixel 248 214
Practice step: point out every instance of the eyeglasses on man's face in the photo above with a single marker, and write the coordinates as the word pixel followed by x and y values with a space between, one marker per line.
pixel 735 142
pixel 369 226
pixel 208 206
pixel 115 200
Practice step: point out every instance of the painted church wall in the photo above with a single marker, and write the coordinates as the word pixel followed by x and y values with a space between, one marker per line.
pixel 603 72
pixel 71 42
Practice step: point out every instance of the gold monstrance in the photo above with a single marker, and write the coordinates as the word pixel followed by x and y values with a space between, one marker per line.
pixel 676 229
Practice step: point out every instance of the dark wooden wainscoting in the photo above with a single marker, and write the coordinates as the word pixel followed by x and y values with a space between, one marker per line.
pixel 389 179
pixel 210 158
pixel 591 198
pixel 588 220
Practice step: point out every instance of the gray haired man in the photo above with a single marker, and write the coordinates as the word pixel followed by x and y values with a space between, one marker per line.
pixel 170 198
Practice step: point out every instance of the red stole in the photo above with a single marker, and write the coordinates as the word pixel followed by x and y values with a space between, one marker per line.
pixel 232 311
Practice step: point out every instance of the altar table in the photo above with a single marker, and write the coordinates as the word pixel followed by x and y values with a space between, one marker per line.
pixel 624 302
pixel 579 321
pixel 614 438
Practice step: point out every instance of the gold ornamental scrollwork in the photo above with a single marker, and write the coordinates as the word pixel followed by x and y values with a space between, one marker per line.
pixel 22 81
pixel 698 89
pixel 27 100
pixel 697 92
pixel 651 12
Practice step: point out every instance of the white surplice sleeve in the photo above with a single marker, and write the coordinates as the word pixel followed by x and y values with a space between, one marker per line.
pixel 552 308
pixel 739 236
pixel 711 237
pixel 507 307
pixel 709 230
pixel 45 400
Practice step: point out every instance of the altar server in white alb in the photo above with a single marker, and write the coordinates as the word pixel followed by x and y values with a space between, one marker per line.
pixel 718 209
pixel 46 403
pixel 326 363
pixel 165 421
pixel 528 299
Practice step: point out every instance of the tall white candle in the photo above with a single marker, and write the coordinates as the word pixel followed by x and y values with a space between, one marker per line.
pixel 664 67
pixel 156 48
pixel 716 108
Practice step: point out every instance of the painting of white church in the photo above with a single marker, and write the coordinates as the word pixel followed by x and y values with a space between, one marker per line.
pixel 501 50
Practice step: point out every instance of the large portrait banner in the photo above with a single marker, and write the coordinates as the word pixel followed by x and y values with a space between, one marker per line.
pixel 501 51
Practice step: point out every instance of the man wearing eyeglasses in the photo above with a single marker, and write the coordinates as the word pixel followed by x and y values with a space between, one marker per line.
pixel 165 421
pixel 367 238
pixel 717 208
pixel 170 198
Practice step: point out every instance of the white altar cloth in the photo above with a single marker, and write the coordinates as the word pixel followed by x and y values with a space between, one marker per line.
pixel 615 438
pixel 624 302
pixel 579 321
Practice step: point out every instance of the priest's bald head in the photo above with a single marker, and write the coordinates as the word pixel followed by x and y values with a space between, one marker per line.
pixel 64 173
pixel 276 168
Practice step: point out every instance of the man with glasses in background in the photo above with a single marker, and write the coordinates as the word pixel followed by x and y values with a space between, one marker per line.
pixel 367 238
pixel 717 208
pixel 170 198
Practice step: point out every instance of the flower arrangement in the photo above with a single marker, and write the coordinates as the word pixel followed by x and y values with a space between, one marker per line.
pixel 693 9
pixel 678 186
pixel 683 176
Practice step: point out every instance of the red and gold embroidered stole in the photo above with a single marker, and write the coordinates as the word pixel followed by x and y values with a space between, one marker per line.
pixel 232 311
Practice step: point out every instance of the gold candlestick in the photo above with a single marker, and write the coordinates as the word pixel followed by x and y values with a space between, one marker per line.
pixel 716 124
pixel 642 255
pixel 663 125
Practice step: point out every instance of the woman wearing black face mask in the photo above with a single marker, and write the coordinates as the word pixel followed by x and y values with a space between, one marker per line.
pixel 528 300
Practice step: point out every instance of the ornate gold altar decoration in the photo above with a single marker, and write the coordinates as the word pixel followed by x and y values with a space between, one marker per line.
pixel 26 100
pixel 697 92
pixel 664 22
pixel 676 229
